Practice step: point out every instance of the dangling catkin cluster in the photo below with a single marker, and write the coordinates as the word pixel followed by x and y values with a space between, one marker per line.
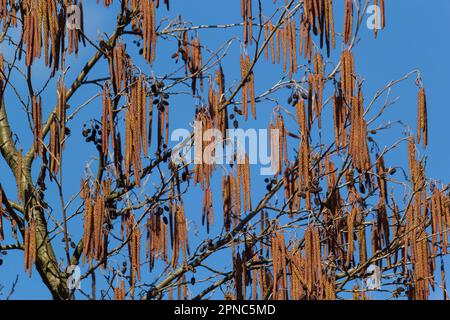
pixel 296 269
pixel 156 237
pixel 8 14
pixel 242 274
pixel 316 82
pixel 191 53
pixel 149 29
pixel 215 100
pixel 76 32
pixel 58 129
pixel 136 129
pixel 440 221
pixel 204 161
pixel 179 234
pixel 340 115
pixel 45 26
pixel 347 75
pixel 133 235
pixel 359 149
pixel 280 283
pixel 95 236
pixel 318 17
pixel 416 235
pixel 313 266
pixel 108 127
pixel 119 66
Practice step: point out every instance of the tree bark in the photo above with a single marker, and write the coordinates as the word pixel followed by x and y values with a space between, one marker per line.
pixel 46 262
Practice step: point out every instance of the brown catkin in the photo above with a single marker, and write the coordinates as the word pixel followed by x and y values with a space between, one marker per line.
pixel 227 201
pixel 208 213
pixel 19 171
pixel 422 127
pixel 37 126
pixel 348 21
pixel 350 231
pixel 248 85
pixel 247 16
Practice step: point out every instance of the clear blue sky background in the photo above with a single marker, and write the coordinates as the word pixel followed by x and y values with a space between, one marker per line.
pixel 413 39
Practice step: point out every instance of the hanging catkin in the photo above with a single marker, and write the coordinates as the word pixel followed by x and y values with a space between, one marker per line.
pixel 134 248
pixel 348 22
pixel 136 128
pixel 227 201
pixel 306 42
pixel 243 179
pixel 108 127
pixel 347 75
pixel 19 172
pixel 279 146
pixel 37 126
pixel 119 291
pixel 192 56
pixel 156 237
pixel 297 274
pixel 292 40
pixel 380 17
pixel 280 285
pixel 58 129
pixel 422 127
pixel 350 235
pixel 30 245
pixel 248 86
pixel 119 63
pixel 85 194
pixel 204 161
pixel 304 174
pixel 318 83
pixel 207 212
pixel 95 236
pixel 329 25
pixel 31 31
pixel 291 190
pixel 359 149
pixel 149 29
pixel 340 114
pixel 247 17
pixel 381 177
pixel 313 268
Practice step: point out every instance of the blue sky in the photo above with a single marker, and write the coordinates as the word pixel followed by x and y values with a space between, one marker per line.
pixel 412 40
